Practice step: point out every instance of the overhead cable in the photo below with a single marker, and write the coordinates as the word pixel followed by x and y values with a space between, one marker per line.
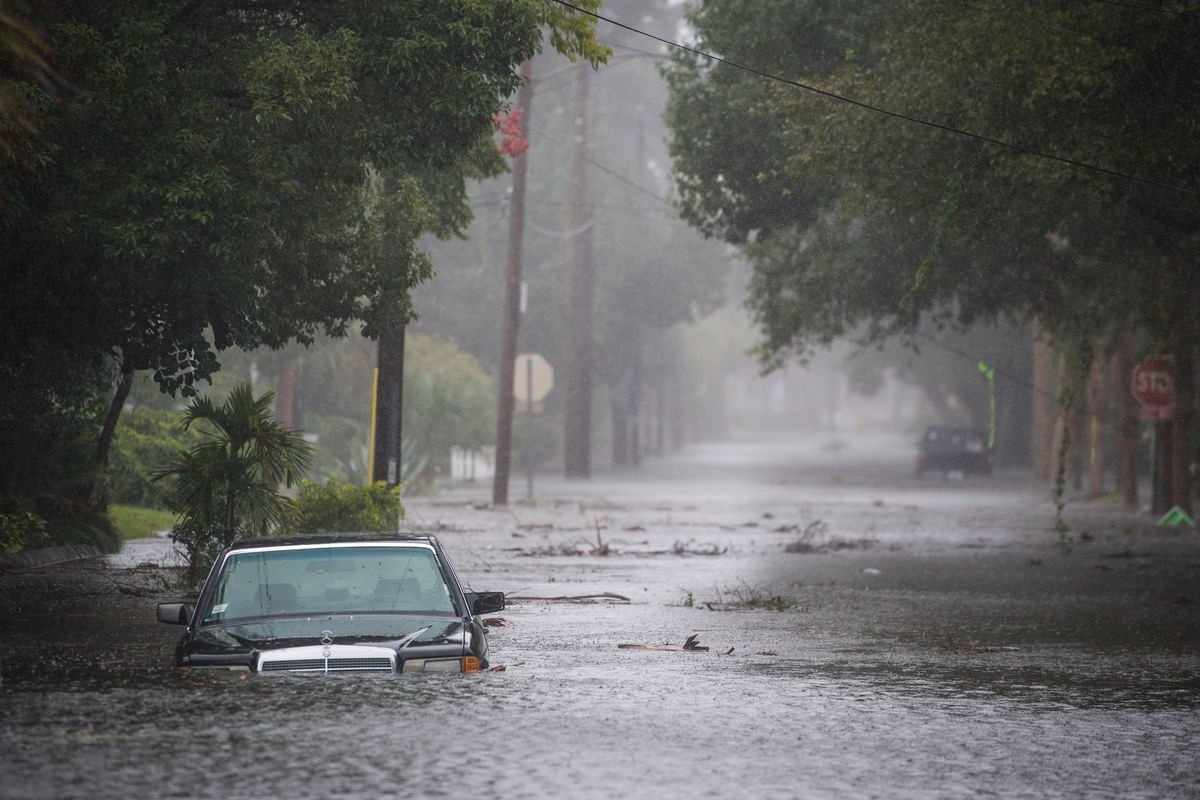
pixel 1018 148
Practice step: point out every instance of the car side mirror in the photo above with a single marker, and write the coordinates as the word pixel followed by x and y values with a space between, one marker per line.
pixel 175 613
pixel 485 602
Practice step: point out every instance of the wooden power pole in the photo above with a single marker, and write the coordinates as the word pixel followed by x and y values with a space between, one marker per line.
pixel 578 439
pixel 512 297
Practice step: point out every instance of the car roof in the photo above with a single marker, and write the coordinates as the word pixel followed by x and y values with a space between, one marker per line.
pixel 333 538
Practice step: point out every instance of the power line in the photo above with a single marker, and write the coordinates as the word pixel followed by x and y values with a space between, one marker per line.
pixel 646 53
pixel 1109 417
pixel 1018 148
pixel 1017 379
pixel 618 176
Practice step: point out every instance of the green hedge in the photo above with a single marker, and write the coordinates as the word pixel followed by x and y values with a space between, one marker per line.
pixel 335 506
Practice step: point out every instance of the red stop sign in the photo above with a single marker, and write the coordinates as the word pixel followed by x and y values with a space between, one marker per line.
pixel 1154 387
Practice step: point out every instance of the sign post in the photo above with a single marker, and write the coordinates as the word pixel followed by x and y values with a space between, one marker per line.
pixel 533 378
pixel 1153 386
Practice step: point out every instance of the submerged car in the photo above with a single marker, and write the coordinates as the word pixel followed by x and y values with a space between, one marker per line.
pixel 954 449
pixel 336 603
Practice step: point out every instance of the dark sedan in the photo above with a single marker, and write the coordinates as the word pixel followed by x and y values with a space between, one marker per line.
pixel 344 603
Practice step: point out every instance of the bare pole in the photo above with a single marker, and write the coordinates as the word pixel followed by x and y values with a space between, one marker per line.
pixel 512 297
pixel 578 439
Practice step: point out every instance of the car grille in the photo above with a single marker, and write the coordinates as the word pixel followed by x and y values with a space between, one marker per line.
pixel 329 665
pixel 328 658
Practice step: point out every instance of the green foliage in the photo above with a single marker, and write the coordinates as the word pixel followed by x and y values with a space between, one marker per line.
pixel 145 441
pixel 862 225
pixel 48 471
pixel 258 173
pixel 22 529
pixel 234 174
pixel 571 33
pixel 227 485
pixel 136 522
pixel 201 542
pixel 343 507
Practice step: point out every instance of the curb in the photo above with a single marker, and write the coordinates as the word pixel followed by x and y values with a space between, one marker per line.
pixel 48 556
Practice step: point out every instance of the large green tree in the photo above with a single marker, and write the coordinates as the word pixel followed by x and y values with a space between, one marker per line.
pixel 858 222
pixel 239 172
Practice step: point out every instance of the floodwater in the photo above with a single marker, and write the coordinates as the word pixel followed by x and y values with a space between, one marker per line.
pixel 936 639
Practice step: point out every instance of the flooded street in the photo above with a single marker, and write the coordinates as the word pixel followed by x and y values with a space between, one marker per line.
pixel 870 634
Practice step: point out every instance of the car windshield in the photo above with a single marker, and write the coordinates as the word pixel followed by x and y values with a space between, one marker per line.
pixel 258 584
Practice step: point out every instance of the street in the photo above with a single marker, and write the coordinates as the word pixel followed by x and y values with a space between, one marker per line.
pixel 868 634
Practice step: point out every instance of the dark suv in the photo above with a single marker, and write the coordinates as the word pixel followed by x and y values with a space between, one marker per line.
pixel 953 449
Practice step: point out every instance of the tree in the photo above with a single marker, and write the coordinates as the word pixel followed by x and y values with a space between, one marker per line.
pixel 897 221
pixel 242 174
pixel 229 483
pixel 23 53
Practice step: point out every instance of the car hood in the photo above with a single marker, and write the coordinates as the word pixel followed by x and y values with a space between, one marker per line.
pixel 381 631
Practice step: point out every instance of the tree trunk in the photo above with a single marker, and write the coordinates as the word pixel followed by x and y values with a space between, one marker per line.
pixel 1042 448
pixel 1181 429
pixel 637 417
pixel 104 443
pixel 1130 425
pixel 660 425
pixel 1078 423
pixel 1098 417
pixel 230 525
pixel 620 432
pixel 285 394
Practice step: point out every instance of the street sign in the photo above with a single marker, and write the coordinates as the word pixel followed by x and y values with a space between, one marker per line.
pixel 532 374
pixel 1154 387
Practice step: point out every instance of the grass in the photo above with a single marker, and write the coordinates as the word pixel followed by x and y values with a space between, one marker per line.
pixel 134 522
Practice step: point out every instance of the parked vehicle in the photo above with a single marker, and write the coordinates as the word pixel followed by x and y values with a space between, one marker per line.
pixel 954 449
pixel 334 603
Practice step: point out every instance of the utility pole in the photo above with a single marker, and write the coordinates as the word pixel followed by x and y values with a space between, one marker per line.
pixel 578 439
pixel 512 297
pixel 389 404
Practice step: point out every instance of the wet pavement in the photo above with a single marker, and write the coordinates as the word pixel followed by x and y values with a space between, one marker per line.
pixel 870 634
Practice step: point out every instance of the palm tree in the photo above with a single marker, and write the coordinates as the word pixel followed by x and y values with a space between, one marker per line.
pixel 24 56
pixel 230 481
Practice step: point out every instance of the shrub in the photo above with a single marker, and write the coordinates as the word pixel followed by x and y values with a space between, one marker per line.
pixel 226 487
pixel 144 442
pixel 337 506
pixel 22 529
pixel 201 543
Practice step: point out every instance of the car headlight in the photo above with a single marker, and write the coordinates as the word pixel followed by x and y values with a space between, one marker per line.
pixel 467 664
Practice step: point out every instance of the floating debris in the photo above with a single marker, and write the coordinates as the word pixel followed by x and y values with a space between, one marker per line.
pixel 574 598
pixel 690 645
